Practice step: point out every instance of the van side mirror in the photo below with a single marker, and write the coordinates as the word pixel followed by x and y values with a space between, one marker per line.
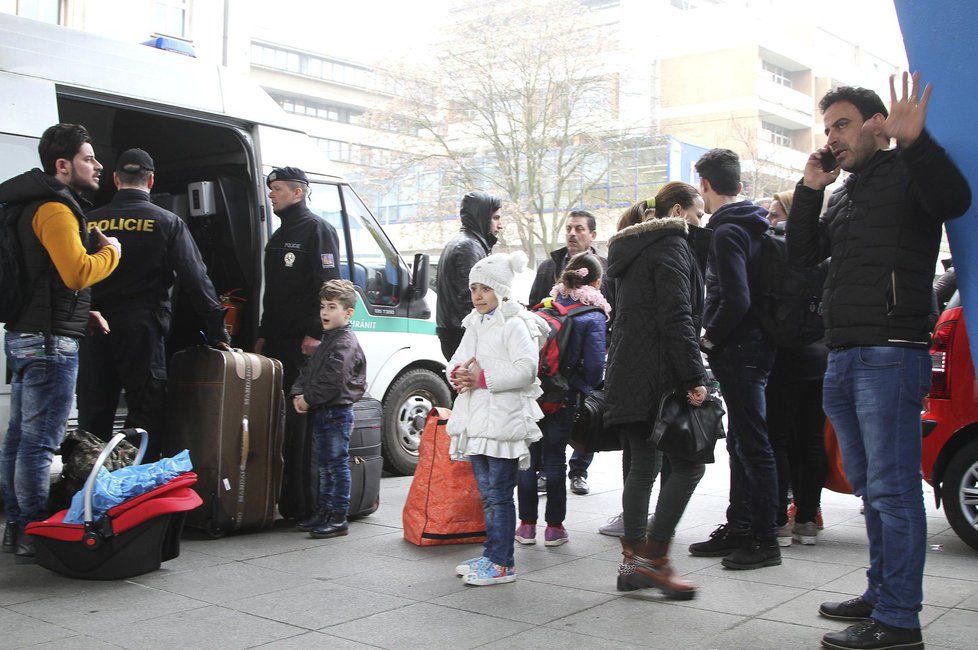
pixel 419 276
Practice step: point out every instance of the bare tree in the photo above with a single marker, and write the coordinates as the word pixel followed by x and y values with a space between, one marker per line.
pixel 516 104
pixel 762 174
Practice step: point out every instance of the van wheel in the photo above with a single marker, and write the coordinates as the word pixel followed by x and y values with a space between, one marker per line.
pixel 406 407
pixel 959 493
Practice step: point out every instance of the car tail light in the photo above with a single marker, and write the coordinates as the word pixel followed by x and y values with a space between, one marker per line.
pixel 940 351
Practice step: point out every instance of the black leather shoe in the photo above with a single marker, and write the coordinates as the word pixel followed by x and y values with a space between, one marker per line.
pixel 24 554
pixel 315 520
pixel 723 541
pixel 873 635
pixel 11 531
pixel 754 553
pixel 335 526
pixel 854 609
pixel 578 485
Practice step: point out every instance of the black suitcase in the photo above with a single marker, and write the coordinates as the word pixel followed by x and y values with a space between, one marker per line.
pixel 300 485
pixel 228 409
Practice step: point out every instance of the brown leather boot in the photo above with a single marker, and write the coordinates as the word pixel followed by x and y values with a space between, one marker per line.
pixel 627 566
pixel 651 568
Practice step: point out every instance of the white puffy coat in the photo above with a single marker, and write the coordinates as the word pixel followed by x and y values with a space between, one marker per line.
pixel 500 420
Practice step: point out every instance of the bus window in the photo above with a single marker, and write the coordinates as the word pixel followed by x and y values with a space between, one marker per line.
pixel 324 201
pixel 376 264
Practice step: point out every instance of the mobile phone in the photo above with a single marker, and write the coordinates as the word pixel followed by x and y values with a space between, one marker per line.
pixel 829 163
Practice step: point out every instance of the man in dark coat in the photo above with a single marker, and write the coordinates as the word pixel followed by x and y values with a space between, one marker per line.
pixel 481 221
pixel 580 232
pixel 882 230
pixel 741 358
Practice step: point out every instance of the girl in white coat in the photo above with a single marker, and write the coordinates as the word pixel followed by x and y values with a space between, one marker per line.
pixel 495 416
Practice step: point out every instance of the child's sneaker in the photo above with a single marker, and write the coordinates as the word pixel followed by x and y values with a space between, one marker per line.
pixel 489 573
pixel 554 536
pixel 805 532
pixel 468 566
pixel 526 534
pixel 784 535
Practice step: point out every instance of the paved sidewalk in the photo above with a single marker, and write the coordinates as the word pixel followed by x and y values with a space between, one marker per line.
pixel 281 589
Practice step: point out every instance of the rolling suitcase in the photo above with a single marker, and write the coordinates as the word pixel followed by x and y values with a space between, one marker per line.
pixel 300 486
pixel 228 409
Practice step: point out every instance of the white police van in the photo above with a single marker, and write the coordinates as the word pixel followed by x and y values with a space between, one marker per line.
pixel 214 136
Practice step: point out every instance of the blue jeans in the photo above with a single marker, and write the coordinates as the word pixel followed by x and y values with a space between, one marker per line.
pixel 548 456
pixel 42 388
pixel 331 428
pixel 873 397
pixel 579 464
pixel 496 478
pixel 742 369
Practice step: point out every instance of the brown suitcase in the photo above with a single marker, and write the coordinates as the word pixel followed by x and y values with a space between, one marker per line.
pixel 228 409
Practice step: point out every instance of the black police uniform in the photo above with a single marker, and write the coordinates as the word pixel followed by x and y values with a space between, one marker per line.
pixel 299 257
pixel 135 300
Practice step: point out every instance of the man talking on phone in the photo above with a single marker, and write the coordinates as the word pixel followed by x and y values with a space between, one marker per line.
pixel 882 230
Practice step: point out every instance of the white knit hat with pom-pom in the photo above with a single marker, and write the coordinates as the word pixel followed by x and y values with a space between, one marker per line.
pixel 497 271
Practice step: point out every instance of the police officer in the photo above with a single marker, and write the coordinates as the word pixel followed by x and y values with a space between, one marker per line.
pixel 300 256
pixel 128 353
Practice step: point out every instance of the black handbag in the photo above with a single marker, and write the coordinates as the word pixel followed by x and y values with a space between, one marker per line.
pixel 688 431
pixel 587 433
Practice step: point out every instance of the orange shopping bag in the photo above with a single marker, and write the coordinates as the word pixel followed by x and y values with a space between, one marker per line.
pixel 443 505
pixel 835 477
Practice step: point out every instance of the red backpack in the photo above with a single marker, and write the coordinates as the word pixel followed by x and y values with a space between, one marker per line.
pixel 554 370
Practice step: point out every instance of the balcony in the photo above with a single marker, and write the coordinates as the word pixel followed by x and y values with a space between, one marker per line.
pixel 794 109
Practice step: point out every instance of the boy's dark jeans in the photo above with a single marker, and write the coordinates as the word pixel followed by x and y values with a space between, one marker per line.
pixel 742 369
pixel 331 428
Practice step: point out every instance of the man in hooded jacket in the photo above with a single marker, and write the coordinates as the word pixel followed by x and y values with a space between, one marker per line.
pixel 481 221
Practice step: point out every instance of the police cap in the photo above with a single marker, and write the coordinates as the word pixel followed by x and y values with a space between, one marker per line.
pixel 293 174
pixel 133 161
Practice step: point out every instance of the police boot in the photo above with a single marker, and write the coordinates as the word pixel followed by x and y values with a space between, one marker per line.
pixel 652 569
pixel 627 566
pixel 315 520
pixel 334 526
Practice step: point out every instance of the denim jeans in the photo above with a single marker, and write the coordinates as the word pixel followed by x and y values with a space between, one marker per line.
pixel 331 428
pixel 742 369
pixel 43 371
pixel 873 397
pixel 579 463
pixel 496 478
pixel 548 456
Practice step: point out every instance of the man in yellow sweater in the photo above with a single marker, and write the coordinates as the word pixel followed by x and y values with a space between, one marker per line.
pixel 42 339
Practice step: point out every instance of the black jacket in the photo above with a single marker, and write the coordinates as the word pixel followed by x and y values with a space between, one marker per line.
pixel 471 244
pixel 550 270
pixel 733 271
pixel 336 373
pixel 158 248
pixel 654 344
pixel 299 257
pixel 50 304
pixel 882 230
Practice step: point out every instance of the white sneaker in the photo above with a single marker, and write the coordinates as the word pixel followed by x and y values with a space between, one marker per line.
pixel 784 535
pixel 615 526
pixel 805 533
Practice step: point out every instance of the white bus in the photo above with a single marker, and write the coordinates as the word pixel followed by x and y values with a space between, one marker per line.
pixel 203 123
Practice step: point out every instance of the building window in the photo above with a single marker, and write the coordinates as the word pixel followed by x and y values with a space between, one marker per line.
pixel 777 74
pixel 319 67
pixel 323 111
pixel 775 134
pixel 172 18
pixel 46 11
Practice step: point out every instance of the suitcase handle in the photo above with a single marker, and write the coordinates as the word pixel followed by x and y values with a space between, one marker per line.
pixel 100 461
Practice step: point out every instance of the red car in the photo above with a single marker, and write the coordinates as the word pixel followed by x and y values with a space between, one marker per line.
pixel 950 425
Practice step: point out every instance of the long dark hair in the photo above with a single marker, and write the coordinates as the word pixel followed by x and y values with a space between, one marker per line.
pixel 572 279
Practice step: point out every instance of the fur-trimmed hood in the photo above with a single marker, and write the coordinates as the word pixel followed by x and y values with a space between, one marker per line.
pixel 628 243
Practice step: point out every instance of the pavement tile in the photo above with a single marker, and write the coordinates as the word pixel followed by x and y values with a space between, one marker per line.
pixel 791 573
pixel 421 580
pixel 394 545
pixel 94 610
pixel 192 561
pixel 25 582
pixel 969 603
pixel 655 624
pixel 326 562
pixel 542 637
pixel 222 583
pixel 525 600
pixel 19 630
pixel 206 627
pixel 955 629
pixel 766 635
pixel 578 544
pixel 939 591
pixel 247 546
pixel 583 573
pixel 315 640
pixel 833 552
pixel 424 625
pixel 317 605
pixel 718 594
pixel 80 642
pixel 803 610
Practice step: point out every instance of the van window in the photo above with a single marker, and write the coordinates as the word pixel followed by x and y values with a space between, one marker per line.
pixel 324 201
pixel 375 263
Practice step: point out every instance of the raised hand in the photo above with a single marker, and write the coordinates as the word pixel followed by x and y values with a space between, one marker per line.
pixel 907 115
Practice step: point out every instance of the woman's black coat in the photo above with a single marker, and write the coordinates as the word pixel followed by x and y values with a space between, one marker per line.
pixel 655 341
